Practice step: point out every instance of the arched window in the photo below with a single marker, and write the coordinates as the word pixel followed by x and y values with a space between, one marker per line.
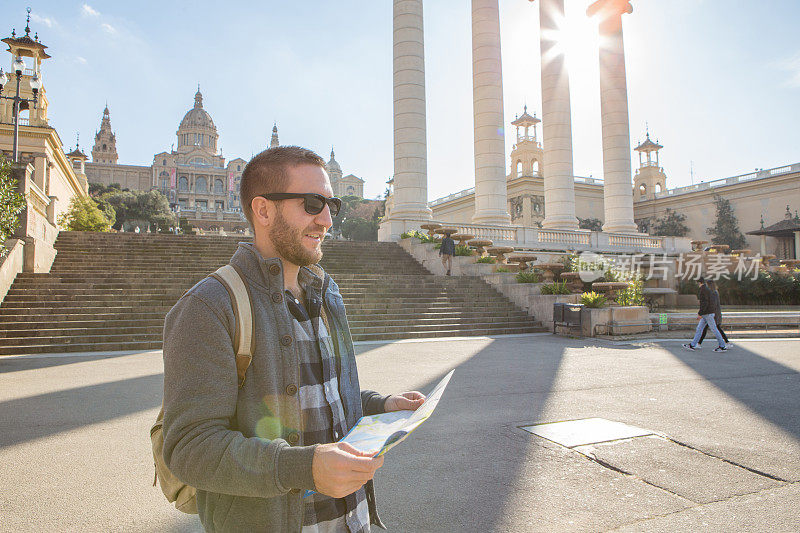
pixel 183 183
pixel 200 185
pixel 642 189
pixel 219 187
pixel 535 166
pixel 164 162
pixel 658 187
pixel 519 168
pixel 163 180
pixel 104 148
pixel 238 168
pixel 351 191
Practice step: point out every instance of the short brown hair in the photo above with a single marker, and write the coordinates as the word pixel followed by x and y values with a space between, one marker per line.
pixel 266 173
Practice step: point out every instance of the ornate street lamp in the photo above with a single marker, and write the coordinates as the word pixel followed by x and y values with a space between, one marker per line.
pixel 36 84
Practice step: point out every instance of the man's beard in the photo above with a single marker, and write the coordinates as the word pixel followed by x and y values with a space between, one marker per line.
pixel 288 242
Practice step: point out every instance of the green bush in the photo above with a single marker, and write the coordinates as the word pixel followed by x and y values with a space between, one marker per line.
pixel 593 299
pixel 633 295
pixel 767 289
pixel 488 259
pixel 83 215
pixel 528 277
pixel 463 250
pixel 501 269
pixel 687 286
pixel 557 287
pixel 416 235
pixel 12 203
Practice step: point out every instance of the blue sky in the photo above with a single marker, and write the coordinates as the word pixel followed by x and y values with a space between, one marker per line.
pixel 717 81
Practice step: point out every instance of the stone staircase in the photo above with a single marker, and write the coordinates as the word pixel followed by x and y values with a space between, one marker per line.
pixel 111 292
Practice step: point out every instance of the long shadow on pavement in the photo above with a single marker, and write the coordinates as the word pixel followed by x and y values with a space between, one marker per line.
pixel 765 397
pixel 18 364
pixel 457 471
pixel 26 419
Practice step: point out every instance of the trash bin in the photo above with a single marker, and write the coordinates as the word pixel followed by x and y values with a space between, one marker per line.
pixel 558 313
pixel 572 314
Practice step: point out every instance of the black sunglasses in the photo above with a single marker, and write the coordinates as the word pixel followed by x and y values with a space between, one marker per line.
pixel 313 203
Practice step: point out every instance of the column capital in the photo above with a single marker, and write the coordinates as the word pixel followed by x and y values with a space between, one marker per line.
pixel 609 10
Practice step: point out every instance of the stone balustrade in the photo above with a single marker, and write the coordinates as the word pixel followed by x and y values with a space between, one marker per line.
pixel 529 238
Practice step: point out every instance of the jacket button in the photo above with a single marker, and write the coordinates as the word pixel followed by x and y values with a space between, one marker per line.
pixel 291 390
pixel 293 438
pixel 286 340
pixel 274 270
pixel 277 297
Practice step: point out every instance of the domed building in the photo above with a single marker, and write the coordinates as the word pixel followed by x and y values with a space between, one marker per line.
pixel 194 177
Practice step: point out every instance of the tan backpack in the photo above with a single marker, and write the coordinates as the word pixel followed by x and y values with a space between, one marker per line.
pixel 183 495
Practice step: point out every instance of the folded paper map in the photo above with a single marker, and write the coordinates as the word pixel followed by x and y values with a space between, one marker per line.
pixel 377 434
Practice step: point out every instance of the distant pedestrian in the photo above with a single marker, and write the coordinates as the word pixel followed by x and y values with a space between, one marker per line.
pixel 447 250
pixel 706 314
pixel 717 314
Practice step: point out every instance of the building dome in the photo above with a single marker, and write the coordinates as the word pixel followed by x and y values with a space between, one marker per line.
pixel 333 165
pixel 197 117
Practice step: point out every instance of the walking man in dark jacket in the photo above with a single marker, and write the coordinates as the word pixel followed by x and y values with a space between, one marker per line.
pixel 252 451
pixel 717 314
pixel 706 314
pixel 447 251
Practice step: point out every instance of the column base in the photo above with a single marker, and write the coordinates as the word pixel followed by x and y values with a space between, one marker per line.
pixel 495 219
pixel 390 229
pixel 561 222
pixel 620 227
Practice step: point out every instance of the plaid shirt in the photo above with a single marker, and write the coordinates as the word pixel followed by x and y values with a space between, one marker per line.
pixel 322 416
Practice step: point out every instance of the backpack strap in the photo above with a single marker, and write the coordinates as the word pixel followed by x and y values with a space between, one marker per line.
pixel 243 342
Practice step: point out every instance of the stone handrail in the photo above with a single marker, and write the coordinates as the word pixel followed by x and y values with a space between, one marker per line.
pixel 493 233
pixel 627 240
pixel 564 236
pixel 777 171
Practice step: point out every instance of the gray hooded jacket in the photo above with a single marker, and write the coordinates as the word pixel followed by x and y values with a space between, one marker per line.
pixel 242 448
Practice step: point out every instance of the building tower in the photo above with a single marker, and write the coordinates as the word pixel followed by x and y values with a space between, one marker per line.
pixel 649 178
pixel 197 131
pixel 334 172
pixel 273 142
pixel 526 155
pixel 78 159
pixel 105 142
pixel 32 53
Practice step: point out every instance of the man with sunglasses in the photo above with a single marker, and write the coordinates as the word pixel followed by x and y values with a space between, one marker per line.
pixel 264 456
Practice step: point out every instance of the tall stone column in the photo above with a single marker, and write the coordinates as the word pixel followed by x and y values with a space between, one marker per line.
pixel 410 145
pixel 487 100
pixel 617 188
pixel 559 181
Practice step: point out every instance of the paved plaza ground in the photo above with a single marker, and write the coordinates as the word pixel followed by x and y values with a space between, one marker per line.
pixel 75 449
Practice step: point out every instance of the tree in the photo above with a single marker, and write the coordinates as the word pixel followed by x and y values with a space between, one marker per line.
pixel 12 202
pixel 145 207
pixel 726 230
pixel 592 224
pixel 83 215
pixel 98 189
pixel 670 225
pixel 360 229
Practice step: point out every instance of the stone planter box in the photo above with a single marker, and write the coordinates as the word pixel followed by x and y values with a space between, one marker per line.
pixel 615 321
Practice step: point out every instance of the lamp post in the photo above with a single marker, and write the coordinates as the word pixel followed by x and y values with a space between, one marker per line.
pixel 36 84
